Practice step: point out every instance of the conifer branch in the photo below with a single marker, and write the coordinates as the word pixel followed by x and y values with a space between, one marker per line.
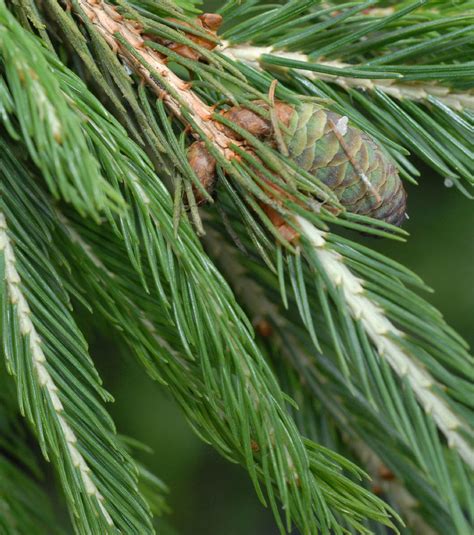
pixel 40 370
pixel 149 62
pixel 36 110
pixel 384 335
pixel 47 356
pixel 125 37
pixel 355 335
pixel 321 418
pixel 28 331
pixel 379 329
pixel 347 404
pixel 416 91
pixel 402 74
pixel 174 369
pixel 252 402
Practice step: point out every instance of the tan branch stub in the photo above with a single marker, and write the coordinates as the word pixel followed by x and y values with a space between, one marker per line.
pixel 410 91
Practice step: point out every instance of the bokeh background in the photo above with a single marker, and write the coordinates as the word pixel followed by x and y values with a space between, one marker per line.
pixel 209 496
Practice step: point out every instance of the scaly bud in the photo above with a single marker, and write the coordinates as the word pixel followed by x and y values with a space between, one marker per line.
pixel 204 165
pixel 209 22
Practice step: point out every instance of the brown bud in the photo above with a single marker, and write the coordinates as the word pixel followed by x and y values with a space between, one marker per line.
pixel 185 51
pixel 386 474
pixel 211 21
pixel 254 123
pixel 204 165
pixel 377 490
pixel 255 447
pixel 287 232
pixel 276 193
pixel 264 328
pixel 248 120
pixel 284 112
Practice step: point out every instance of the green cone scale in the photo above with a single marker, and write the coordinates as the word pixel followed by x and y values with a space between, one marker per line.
pixel 349 161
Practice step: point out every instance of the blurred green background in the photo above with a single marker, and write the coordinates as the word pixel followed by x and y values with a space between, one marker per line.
pixel 207 494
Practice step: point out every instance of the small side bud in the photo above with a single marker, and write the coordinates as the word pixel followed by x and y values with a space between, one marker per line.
pixel 254 123
pixel 211 21
pixel 255 447
pixel 204 165
pixel 264 328
pixel 248 120
pixel 284 112
pixel 386 474
pixel 287 232
pixel 377 490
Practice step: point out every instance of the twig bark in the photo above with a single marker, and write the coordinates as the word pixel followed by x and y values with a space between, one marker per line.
pixel 123 36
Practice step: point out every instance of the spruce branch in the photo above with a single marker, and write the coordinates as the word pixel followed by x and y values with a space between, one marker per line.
pixel 148 60
pixel 375 324
pixel 28 331
pixel 145 197
pixel 47 356
pixel 366 416
pixel 145 272
pixel 289 467
pixel 417 483
pixel 172 367
pixel 334 429
pixel 403 74
pixel 42 375
pixel 383 335
pixel 125 37
pixel 37 111
pixel 337 72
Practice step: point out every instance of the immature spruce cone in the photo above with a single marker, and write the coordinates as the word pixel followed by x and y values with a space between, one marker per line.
pixel 343 157
pixel 347 160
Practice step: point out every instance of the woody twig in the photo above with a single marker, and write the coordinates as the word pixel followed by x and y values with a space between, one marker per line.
pixel 126 38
